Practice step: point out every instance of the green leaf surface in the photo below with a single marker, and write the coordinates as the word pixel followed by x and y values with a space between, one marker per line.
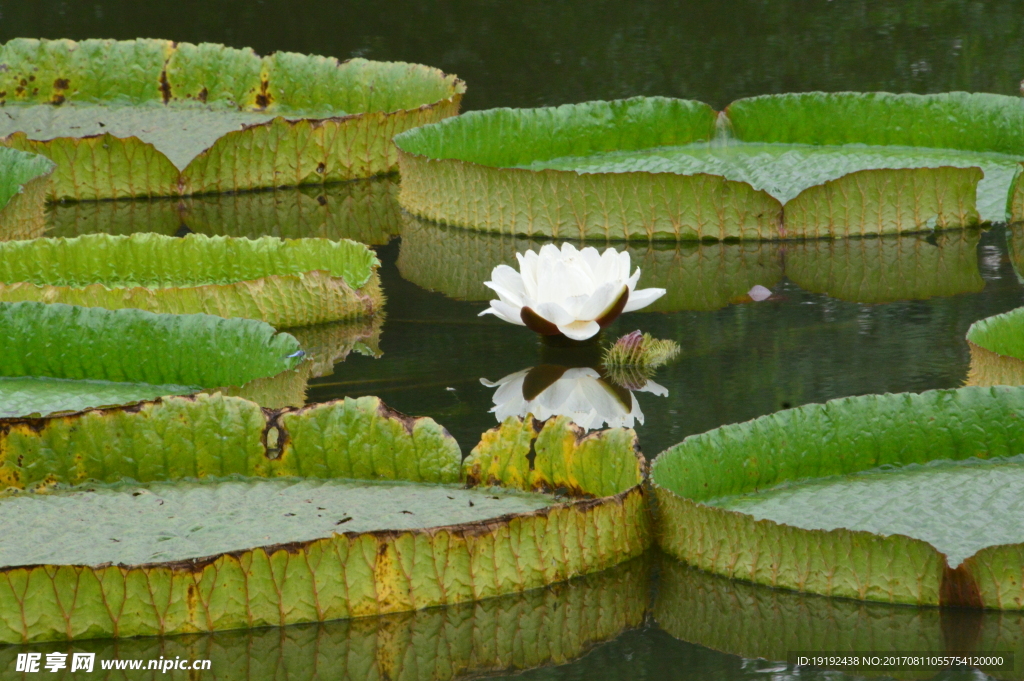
pixel 366 211
pixel 27 395
pixel 285 283
pixel 957 508
pixel 842 437
pixel 132 524
pixel 510 633
pixel 786 170
pixel 842 164
pixel 133 346
pixel 24 179
pixel 155 118
pixel 57 357
pixel 954 120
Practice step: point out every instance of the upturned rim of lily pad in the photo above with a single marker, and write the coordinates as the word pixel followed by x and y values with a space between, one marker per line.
pixel 469 171
pixel 840 437
pixel 193 352
pixel 285 283
pixel 334 121
pixel 24 181
pixel 997 353
pixel 597 519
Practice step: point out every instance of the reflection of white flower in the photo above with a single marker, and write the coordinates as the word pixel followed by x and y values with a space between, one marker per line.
pixel 579 393
pixel 568 291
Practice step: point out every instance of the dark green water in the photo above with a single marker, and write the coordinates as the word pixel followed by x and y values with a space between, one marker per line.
pixel 818 338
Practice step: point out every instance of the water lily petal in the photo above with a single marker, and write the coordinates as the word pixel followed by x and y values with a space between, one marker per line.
pixel 518 407
pixel 653 388
pixel 528 270
pixel 624 264
pixel 559 279
pixel 642 298
pixel 632 280
pixel 580 330
pixel 506 379
pixel 510 390
pixel 555 397
pixel 759 293
pixel 603 299
pixel 603 399
pixel 608 267
pixel 591 256
pixel 508 278
pixel 555 313
pixel 509 297
pixel 503 310
pixel 552 251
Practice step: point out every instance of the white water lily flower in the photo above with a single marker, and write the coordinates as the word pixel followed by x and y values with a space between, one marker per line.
pixel 568 291
pixel 579 393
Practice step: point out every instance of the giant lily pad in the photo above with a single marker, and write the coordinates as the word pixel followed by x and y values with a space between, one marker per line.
pixel 157 118
pixel 248 562
pixel 710 276
pixel 901 486
pixel 284 283
pixel 777 166
pixel 24 179
pixel 997 350
pixel 505 634
pixel 58 358
pixel 755 621
pixel 362 210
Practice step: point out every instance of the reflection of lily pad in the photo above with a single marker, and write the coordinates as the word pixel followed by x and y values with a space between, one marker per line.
pixel 710 276
pixel 361 210
pixel 285 283
pixel 997 350
pixel 509 633
pixel 24 180
pixel 754 621
pixel 842 164
pixel 214 440
pixel 844 550
pixel 61 358
pixel 696 277
pixel 324 345
pixel 156 118
pixel 888 268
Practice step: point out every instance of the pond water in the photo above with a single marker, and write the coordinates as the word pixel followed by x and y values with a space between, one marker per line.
pixel 845 318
